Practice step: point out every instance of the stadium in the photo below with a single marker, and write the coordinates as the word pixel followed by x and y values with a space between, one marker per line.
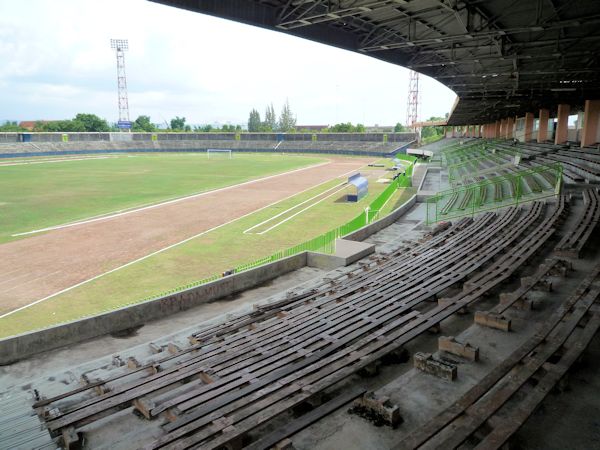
pixel 319 290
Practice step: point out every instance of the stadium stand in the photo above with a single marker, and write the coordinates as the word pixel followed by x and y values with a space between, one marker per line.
pixel 261 377
pixel 335 143
pixel 254 368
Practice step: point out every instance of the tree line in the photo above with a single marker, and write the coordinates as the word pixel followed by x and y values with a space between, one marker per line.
pixel 285 123
pixel 92 123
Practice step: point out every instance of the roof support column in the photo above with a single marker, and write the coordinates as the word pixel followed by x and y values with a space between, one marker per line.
pixel 509 127
pixel 562 125
pixel 502 132
pixel 528 127
pixel 497 128
pixel 453 131
pixel 591 122
pixel 478 130
pixel 542 135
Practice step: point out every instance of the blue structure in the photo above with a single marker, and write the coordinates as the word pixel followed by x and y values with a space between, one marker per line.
pixel 361 184
pixel 399 166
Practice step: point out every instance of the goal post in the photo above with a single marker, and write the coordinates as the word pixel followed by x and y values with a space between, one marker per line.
pixel 219 151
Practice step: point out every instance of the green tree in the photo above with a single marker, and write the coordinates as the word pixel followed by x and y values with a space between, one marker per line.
pixel 203 128
pixel 142 123
pixel 347 127
pixel 91 123
pixel 61 126
pixel 399 128
pixel 254 121
pixel 178 123
pixel 270 123
pixel 11 127
pixel 287 121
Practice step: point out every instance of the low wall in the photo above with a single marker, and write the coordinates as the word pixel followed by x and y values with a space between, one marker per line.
pixel 19 347
pixel 372 228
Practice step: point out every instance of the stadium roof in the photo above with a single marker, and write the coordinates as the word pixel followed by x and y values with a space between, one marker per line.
pixel 501 57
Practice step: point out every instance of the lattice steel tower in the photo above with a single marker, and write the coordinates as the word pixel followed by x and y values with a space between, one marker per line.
pixel 412 107
pixel 121 46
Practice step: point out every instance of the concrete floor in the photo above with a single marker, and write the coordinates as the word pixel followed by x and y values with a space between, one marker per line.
pixel 178 326
pixel 572 416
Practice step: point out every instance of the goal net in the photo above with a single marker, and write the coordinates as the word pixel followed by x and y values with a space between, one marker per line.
pixel 219 152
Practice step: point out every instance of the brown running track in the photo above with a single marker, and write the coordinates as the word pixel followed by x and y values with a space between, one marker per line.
pixel 44 264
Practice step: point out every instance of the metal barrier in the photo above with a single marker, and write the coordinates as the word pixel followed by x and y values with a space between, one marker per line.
pixel 497 192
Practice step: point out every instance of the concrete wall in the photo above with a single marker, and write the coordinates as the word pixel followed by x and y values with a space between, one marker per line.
pixel 372 228
pixel 25 345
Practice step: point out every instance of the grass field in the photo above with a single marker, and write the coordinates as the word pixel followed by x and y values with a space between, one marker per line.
pixel 36 196
pixel 203 256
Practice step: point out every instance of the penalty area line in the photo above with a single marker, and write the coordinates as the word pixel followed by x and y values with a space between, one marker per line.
pixel 290 209
pixel 301 211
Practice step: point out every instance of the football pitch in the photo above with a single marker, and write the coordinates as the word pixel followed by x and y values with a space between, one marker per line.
pixel 55 192
pixel 148 179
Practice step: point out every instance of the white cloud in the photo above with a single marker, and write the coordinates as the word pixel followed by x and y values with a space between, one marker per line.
pixel 57 61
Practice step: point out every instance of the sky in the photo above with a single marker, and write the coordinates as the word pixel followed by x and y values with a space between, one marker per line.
pixel 57 62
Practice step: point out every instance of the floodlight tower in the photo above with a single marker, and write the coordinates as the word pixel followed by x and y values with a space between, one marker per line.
pixel 121 46
pixel 412 108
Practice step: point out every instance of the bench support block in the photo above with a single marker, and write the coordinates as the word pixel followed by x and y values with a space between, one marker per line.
pixel 426 363
pixel 492 320
pixel 450 345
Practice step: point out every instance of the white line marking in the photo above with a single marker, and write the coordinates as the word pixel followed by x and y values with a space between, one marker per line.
pixel 167 202
pixel 156 252
pixel 49 161
pixel 301 211
pixel 290 209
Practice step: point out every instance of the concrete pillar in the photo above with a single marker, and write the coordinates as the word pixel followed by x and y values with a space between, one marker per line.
pixel 497 129
pixel 529 118
pixel 478 131
pixel 562 125
pixel 453 131
pixel 591 123
pixel 542 135
pixel 502 131
pixel 510 122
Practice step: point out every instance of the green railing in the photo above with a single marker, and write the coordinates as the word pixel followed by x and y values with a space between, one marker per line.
pixel 497 192
pixel 324 243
